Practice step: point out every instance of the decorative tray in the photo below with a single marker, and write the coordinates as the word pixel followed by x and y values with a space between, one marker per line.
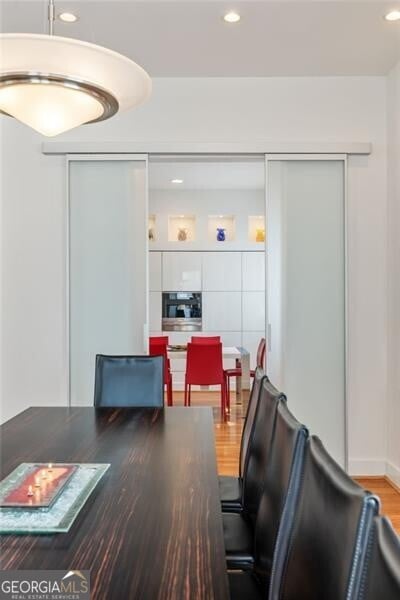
pixel 39 487
pixel 63 506
pixel 177 347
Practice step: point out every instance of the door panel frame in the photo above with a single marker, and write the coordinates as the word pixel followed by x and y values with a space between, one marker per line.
pixel 321 157
pixel 117 151
pixel 95 158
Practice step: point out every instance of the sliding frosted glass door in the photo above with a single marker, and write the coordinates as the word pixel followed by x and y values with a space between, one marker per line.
pixel 306 292
pixel 107 266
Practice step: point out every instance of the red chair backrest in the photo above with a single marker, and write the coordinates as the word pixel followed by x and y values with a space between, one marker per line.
pixel 206 340
pixel 261 353
pixel 158 346
pixel 204 364
pixel 160 339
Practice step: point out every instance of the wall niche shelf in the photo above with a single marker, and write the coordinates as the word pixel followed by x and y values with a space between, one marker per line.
pixel 256 229
pixel 181 228
pixel 226 225
pixel 152 228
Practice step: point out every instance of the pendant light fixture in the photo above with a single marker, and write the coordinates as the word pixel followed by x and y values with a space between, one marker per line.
pixel 54 84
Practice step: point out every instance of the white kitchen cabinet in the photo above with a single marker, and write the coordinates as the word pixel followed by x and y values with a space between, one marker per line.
pixel 155 282
pixel 253 271
pixel 253 311
pixel 154 311
pixel 181 271
pixel 228 338
pixel 222 271
pixel 222 311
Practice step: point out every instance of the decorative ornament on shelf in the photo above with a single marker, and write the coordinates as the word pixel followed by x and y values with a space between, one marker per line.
pixel 221 236
pixel 151 234
pixel 53 84
pixel 260 235
pixel 182 234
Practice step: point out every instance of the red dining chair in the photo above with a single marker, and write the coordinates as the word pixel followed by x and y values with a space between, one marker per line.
pixel 158 346
pixel 237 371
pixel 215 339
pixel 204 367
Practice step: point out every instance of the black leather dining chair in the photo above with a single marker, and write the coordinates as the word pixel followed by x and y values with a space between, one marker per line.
pixel 230 488
pixel 129 381
pixel 381 574
pixel 274 469
pixel 321 557
pixel 322 539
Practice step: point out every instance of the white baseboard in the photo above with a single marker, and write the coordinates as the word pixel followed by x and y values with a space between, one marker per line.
pixel 393 473
pixel 377 467
pixel 367 467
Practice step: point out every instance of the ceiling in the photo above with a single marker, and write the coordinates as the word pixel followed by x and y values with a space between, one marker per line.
pixel 207 174
pixel 188 38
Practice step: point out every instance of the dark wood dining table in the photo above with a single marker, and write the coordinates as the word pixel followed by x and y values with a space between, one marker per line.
pixel 152 528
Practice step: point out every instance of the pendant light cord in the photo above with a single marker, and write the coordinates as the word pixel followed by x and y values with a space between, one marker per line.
pixel 51 15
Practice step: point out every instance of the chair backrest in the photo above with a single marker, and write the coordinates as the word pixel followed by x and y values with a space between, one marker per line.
pixel 281 479
pixel 204 364
pixel 319 554
pixel 249 419
pixel 261 353
pixel 158 346
pixel 258 453
pixel 128 381
pixel 381 574
pixel 159 339
pixel 214 339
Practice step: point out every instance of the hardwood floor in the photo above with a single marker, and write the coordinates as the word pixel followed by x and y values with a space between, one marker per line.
pixel 389 495
pixel 227 440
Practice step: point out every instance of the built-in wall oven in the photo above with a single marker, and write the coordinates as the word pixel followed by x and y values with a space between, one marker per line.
pixel 181 311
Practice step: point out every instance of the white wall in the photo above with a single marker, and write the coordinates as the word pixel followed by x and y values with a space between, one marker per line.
pixel 33 274
pixel 277 109
pixel 393 444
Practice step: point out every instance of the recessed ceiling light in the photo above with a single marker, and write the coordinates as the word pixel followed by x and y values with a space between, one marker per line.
pixel 232 17
pixel 394 15
pixel 176 180
pixel 68 17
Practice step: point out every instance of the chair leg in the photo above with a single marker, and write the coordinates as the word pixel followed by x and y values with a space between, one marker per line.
pixel 189 396
pixel 185 399
pixel 169 392
pixel 228 394
pixel 223 401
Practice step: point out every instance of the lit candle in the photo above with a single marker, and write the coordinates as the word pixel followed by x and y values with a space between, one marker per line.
pixel 44 474
pixel 30 492
pixel 37 482
pixel 50 467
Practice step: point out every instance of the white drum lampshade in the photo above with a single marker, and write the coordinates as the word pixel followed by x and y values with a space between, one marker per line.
pixel 54 84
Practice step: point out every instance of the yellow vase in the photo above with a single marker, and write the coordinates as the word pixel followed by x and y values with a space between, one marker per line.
pixel 260 235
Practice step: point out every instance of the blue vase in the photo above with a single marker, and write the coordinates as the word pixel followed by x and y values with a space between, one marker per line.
pixel 220 234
